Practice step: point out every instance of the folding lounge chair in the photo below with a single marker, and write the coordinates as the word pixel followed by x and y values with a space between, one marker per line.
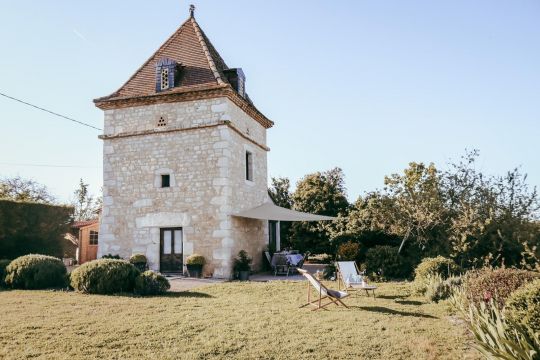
pixel 352 279
pixel 334 296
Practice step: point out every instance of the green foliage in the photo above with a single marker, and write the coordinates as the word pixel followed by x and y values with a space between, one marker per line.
pixel 111 256
pixel 195 259
pixel 438 288
pixel 24 190
pixel 460 213
pixel 36 272
pixel 3 264
pixel 320 193
pixel 348 251
pixel 385 263
pixel 86 207
pixel 523 305
pixel 497 284
pixel 242 262
pixel 27 228
pixel 104 276
pixel 497 337
pixel 139 261
pixel 435 266
pixel 151 283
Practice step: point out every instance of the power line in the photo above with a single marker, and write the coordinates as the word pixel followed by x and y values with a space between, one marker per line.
pixel 50 112
pixel 49 165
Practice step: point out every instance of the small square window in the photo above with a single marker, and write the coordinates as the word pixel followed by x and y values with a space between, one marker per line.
pixel 249 166
pixel 165 181
pixel 93 237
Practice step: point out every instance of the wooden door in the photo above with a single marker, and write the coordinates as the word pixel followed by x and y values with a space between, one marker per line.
pixel 170 250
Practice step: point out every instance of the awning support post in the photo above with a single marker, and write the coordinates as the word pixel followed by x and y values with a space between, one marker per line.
pixel 278 236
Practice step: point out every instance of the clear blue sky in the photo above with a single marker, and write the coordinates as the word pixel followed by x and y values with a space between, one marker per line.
pixel 365 85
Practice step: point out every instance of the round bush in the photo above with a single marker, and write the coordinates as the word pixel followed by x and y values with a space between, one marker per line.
pixel 3 264
pixel 151 283
pixel 139 261
pixel 486 284
pixel 195 259
pixel 523 305
pixel 104 276
pixel 386 263
pixel 435 266
pixel 36 272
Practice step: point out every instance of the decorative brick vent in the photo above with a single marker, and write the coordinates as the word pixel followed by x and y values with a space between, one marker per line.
pixel 161 122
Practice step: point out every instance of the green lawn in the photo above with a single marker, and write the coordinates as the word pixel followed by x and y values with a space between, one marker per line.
pixel 229 320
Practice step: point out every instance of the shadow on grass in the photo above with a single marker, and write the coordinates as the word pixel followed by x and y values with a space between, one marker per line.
pixel 186 294
pixel 410 302
pixel 384 310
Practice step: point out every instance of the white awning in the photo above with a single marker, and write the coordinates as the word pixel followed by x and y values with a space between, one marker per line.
pixel 270 211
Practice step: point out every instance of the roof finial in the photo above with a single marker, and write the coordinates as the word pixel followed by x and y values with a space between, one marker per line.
pixel 192 10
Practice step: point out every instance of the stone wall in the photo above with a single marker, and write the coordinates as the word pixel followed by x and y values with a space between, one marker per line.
pixel 207 169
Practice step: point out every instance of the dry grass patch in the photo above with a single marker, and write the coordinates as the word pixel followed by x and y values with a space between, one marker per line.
pixel 229 320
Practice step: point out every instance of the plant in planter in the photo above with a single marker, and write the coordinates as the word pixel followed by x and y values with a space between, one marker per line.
pixel 242 265
pixel 194 264
pixel 139 261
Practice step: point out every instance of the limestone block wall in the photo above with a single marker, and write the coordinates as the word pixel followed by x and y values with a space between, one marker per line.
pixel 207 169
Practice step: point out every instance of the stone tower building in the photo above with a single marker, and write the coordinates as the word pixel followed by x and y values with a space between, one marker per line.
pixel 184 148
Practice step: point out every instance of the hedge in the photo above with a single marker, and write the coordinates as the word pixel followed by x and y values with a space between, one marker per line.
pixel 523 305
pixel 30 228
pixel 497 284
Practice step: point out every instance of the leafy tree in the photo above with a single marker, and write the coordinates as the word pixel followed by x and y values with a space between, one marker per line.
pixel 25 190
pixel 86 207
pixel 280 194
pixel 320 193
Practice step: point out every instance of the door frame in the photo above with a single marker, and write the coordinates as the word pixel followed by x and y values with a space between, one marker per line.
pixel 161 239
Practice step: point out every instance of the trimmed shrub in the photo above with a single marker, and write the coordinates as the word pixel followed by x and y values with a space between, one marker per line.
pixel 435 266
pixel 104 276
pixel 139 261
pixel 151 283
pixel 195 259
pixel 523 306
pixel 3 264
pixel 384 262
pixel 348 251
pixel 497 284
pixel 36 272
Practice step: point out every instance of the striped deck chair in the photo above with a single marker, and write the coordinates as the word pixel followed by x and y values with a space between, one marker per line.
pixel 334 296
pixel 352 279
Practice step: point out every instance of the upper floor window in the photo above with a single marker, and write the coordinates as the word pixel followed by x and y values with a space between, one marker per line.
pixel 93 237
pixel 249 166
pixel 165 181
pixel 168 74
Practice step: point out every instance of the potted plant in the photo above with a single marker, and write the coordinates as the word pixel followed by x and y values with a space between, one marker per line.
pixel 194 264
pixel 242 265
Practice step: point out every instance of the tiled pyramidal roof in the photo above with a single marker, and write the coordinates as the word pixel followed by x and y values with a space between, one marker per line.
pixel 202 72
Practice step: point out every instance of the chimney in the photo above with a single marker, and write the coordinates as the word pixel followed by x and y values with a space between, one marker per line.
pixel 237 79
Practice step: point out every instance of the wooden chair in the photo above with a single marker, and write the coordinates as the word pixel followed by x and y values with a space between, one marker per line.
pixel 347 271
pixel 334 296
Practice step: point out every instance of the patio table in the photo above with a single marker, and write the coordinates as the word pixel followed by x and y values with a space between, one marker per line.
pixel 293 259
